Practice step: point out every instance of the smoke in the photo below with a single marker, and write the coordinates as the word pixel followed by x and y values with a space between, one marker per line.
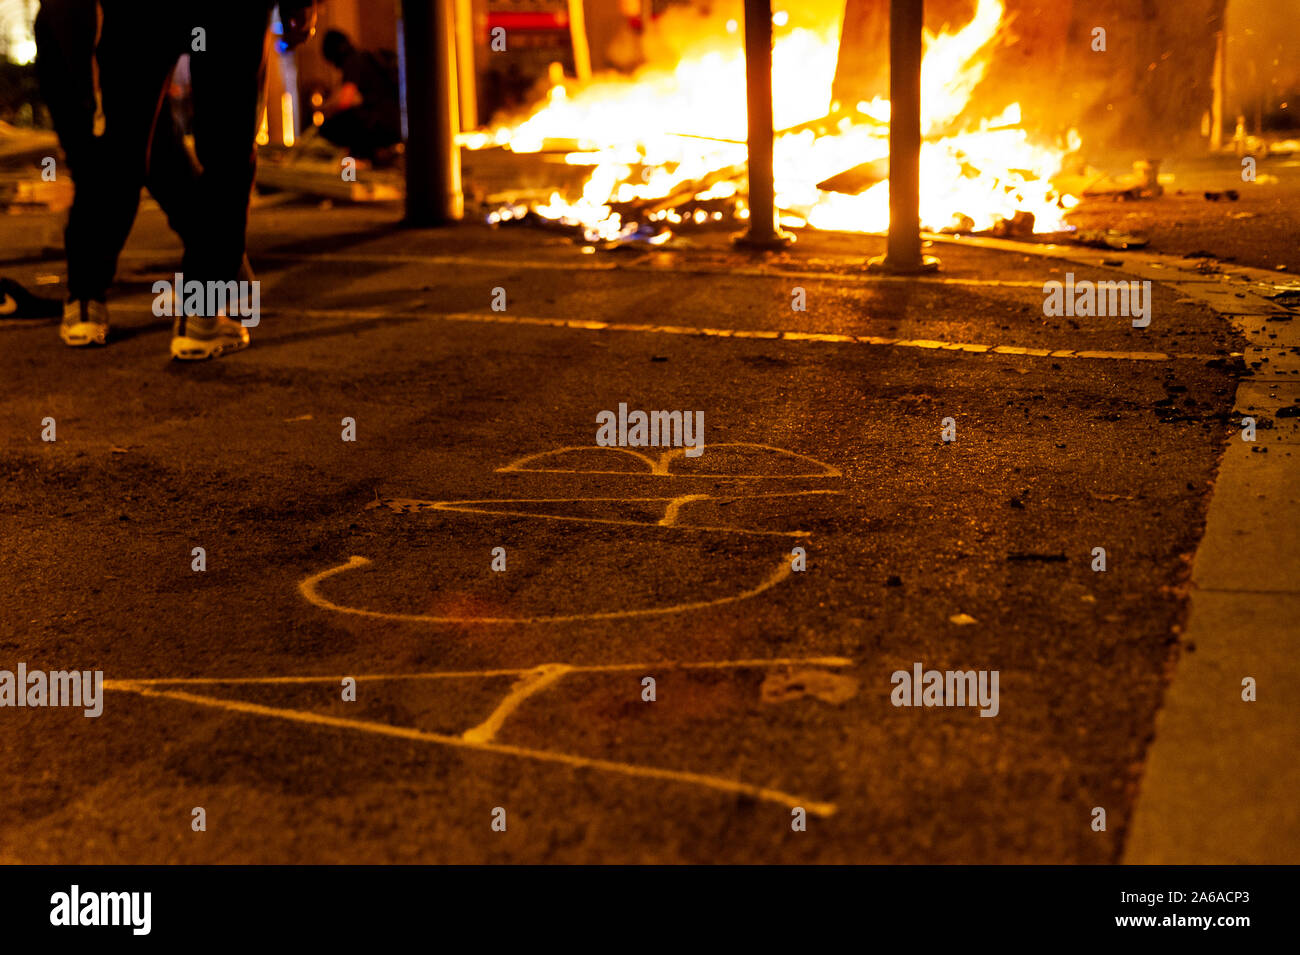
pixel 1144 93
pixel 1263 63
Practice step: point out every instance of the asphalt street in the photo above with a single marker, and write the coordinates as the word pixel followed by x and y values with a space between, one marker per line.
pixel 523 689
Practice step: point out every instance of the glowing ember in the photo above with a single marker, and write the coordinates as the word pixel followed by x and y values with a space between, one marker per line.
pixel 667 144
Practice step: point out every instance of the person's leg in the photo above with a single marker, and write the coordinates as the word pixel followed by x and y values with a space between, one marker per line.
pixel 135 57
pixel 227 83
pixel 226 91
pixel 173 175
pixel 65 33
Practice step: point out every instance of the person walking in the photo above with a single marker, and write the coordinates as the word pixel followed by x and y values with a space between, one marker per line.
pixel 139 44
pixel 67 32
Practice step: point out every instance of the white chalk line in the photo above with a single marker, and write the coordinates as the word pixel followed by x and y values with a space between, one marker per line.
pixel 651 665
pixel 529 681
pixel 763 793
pixel 546 675
pixel 676 504
pixel 659 467
pixel 673 505
pixel 614 521
pixel 309 591
pixel 670 519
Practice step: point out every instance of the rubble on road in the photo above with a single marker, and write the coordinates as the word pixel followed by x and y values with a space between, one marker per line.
pixel 316 168
pixel 1109 239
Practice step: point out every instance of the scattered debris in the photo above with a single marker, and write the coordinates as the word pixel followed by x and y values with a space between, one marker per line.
pixel 1110 497
pixel 1110 239
pixel 962 224
pixel 1143 183
pixel 783 687
pixel 17 302
pixel 1019 226
pixel 855 181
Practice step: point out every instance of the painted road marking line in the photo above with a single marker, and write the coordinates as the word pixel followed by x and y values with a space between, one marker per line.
pixel 676 504
pixel 614 521
pixel 755 664
pixel 587 265
pixel 309 590
pixel 413 505
pixel 308 587
pixel 659 468
pixel 718 783
pixel 548 674
pixel 673 506
pixel 490 318
pixel 592 325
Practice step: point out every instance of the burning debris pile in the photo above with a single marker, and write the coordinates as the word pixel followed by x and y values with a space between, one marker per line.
pixel 665 148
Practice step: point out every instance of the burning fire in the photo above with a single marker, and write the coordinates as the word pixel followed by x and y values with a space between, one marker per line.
pixel 666 145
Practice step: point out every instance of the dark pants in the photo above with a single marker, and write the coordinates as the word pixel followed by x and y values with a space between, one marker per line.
pixel 139 44
pixel 65 33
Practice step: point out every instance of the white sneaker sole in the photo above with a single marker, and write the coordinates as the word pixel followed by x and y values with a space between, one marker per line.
pixel 185 348
pixel 82 334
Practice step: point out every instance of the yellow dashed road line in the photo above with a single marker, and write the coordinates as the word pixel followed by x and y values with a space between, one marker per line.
pixel 488 318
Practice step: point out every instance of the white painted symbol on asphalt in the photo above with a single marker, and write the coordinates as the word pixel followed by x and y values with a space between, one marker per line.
pixel 535 680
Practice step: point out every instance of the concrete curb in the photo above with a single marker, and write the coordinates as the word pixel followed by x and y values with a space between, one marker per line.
pixel 1221 776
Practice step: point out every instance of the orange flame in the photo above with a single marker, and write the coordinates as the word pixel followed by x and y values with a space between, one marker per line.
pixel 649 135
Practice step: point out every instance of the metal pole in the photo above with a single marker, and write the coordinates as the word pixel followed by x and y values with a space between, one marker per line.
pixel 903 251
pixel 764 232
pixel 1217 84
pixel 578 35
pixel 433 190
pixel 647 14
pixel 466 71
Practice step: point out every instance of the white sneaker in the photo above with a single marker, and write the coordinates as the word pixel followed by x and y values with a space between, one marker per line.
pixel 84 323
pixel 195 338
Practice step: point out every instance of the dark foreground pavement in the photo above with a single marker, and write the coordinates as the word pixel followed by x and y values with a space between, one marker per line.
pixel 975 554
